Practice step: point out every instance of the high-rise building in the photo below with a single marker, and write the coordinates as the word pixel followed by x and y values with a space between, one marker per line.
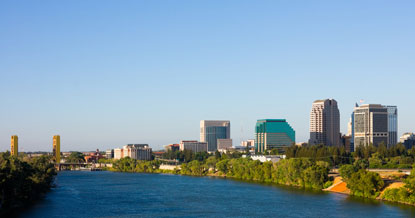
pixel 193 145
pixel 325 123
pixel 392 125
pixel 212 130
pixel 370 125
pixel 350 131
pixel 273 133
pixel 408 140
pixel 14 145
pixel 57 148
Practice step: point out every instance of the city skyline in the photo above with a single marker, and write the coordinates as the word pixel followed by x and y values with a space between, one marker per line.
pixel 100 79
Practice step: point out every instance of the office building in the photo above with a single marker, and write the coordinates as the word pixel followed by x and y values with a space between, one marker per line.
pixel 224 144
pixel 392 125
pixel 57 148
pixel 14 145
pixel 193 145
pixel 408 140
pixel 345 141
pixel 118 153
pixel 325 123
pixel 109 154
pixel 137 151
pixel 273 133
pixel 370 125
pixel 212 130
pixel 248 143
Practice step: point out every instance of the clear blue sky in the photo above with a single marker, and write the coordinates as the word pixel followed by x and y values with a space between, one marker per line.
pixel 106 73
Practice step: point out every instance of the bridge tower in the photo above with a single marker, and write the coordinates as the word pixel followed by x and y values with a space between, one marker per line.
pixel 14 145
pixel 57 148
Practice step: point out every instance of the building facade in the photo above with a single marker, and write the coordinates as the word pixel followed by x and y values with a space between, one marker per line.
pixel 370 125
pixel 224 144
pixel 325 123
pixel 14 145
pixel 248 143
pixel 212 130
pixel 109 154
pixel 137 151
pixel 193 145
pixel 118 153
pixel 57 148
pixel 392 125
pixel 408 140
pixel 273 133
pixel 172 147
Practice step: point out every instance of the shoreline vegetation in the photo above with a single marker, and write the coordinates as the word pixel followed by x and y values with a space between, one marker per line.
pixel 307 167
pixel 23 181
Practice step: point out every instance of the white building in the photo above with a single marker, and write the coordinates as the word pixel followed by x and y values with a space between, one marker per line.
pixel 134 151
pixel 264 158
pixel 118 153
pixel 248 143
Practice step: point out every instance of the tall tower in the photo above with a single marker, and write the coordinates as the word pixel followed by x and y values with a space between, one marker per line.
pixel 325 123
pixel 392 125
pixel 57 148
pixel 370 125
pixel 212 130
pixel 14 145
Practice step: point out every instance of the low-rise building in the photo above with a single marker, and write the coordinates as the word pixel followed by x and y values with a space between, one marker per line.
pixel 264 158
pixel 248 143
pixel 93 157
pixel 224 144
pixel 172 147
pixel 137 151
pixel 193 145
pixel 118 153
pixel 109 153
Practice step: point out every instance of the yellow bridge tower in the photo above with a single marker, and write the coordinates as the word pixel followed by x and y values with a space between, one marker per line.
pixel 57 148
pixel 14 145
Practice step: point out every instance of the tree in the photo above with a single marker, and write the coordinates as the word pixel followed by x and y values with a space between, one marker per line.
pixel 75 157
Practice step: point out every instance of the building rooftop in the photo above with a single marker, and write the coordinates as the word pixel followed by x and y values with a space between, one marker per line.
pixel 271 120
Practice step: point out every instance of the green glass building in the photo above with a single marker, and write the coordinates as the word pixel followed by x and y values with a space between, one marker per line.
pixel 273 133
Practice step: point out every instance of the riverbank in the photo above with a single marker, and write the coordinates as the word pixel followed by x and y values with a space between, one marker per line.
pixel 300 173
pixel 23 182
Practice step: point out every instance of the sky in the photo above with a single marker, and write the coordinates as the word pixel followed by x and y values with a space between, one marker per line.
pixel 103 74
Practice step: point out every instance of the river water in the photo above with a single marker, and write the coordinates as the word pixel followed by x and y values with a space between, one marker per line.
pixel 111 194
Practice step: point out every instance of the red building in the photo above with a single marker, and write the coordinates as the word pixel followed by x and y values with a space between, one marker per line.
pixel 93 157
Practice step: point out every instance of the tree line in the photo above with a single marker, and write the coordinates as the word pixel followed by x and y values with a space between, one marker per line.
pixel 373 156
pixel 23 181
pixel 296 172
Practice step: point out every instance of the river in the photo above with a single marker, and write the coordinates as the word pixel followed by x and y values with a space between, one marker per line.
pixel 112 194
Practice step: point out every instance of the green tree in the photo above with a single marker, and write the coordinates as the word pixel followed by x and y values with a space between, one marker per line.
pixel 75 157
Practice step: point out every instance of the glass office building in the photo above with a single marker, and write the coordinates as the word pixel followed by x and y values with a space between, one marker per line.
pixel 273 133
pixel 370 125
pixel 392 125
pixel 212 130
